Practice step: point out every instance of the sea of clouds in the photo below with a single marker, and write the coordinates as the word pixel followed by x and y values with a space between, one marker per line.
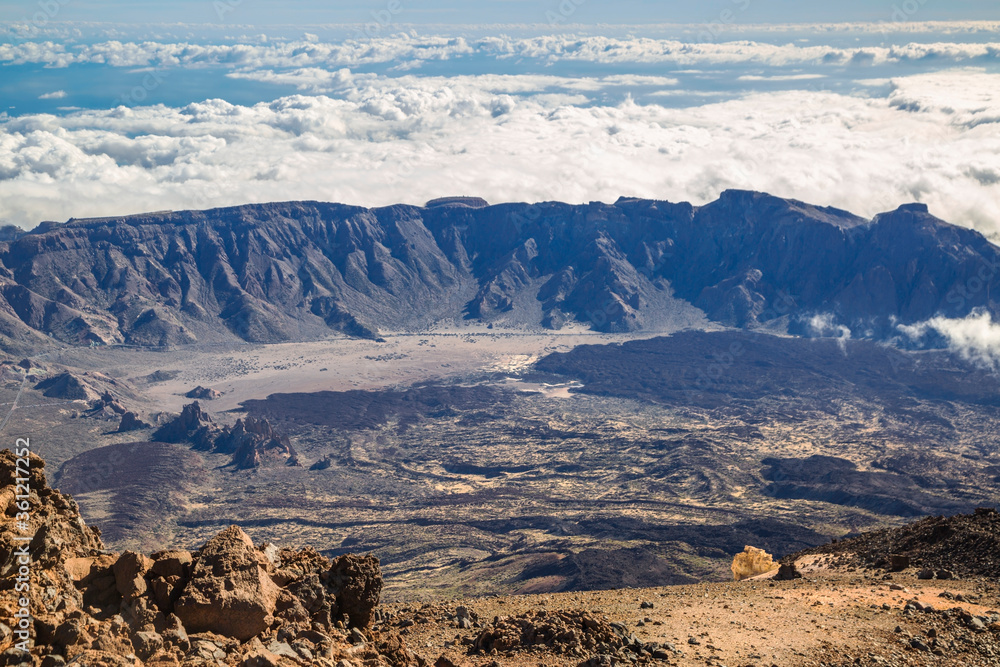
pixel 407 118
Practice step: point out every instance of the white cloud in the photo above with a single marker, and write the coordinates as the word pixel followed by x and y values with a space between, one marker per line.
pixel 949 97
pixel 307 79
pixel 411 139
pixel 20 30
pixel 976 337
pixel 55 95
pixel 316 80
pixel 408 48
pixel 781 77
pixel 825 326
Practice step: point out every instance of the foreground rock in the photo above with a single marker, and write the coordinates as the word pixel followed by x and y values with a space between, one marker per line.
pixel 752 562
pixel 230 602
pixel 571 633
pixel 230 592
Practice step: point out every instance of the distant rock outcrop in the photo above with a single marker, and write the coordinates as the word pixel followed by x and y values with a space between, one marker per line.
pixel 159 376
pixel 192 424
pixel 228 603
pixel 203 393
pixel 68 386
pixel 131 422
pixel 251 442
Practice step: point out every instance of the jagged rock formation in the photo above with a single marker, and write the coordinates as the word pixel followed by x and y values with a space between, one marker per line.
pixel 229 601
pixel 192 424
pixel 131 422
pixel 274 272
pixel 251 442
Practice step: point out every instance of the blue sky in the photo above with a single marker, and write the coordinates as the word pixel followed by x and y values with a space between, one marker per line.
pixel 497 11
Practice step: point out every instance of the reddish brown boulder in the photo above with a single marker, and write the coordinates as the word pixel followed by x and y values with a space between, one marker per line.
pixel 356 582
pixel 229 592
pixel 130 572
pixel 172 563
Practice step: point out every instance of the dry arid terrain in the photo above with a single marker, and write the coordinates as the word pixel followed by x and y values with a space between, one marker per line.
pixel 881 598
pixel 483 461
pixel 830 617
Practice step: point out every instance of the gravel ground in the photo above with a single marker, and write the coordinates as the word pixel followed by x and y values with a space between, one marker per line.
pixel 832 616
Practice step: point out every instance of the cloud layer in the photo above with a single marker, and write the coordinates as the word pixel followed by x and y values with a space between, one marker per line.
pixel 976 337
pixel 410 118
pixel 934 138
pixel 408 48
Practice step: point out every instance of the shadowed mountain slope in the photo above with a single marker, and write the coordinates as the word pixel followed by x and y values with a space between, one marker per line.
pixel 296 270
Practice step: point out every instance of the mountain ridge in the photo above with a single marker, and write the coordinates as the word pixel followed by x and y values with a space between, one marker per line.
pixel 299 270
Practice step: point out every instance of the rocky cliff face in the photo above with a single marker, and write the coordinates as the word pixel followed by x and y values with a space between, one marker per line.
pixel 275 272
pixel 230 602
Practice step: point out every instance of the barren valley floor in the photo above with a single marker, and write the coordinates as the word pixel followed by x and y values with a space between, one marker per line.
pixel 475 461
